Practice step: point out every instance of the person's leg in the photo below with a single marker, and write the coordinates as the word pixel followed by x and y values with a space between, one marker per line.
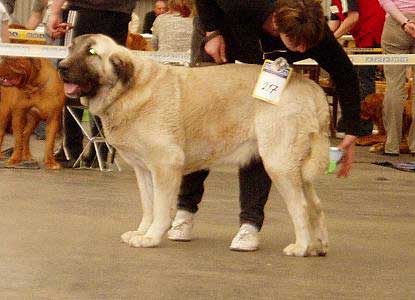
pixel 367 86
pixel 254 185
pixel 72 140
pixel 411 134
pixel 191 192
pixel 394 41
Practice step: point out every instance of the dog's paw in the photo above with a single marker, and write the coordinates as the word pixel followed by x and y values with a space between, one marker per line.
pixel 303 251
pixel 295 250
pixel 52 165
pixel 142 241
pixel 13 161
pixel 127 236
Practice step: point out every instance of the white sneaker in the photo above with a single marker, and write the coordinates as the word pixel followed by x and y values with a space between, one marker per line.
pixel 246 239
pixel 181 228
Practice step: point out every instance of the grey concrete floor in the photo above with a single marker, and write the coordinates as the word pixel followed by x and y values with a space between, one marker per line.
pixel 60 239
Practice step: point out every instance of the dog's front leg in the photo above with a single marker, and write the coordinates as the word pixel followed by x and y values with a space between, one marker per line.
pixel 145 185
pixel 32 122
pixel 166 182
pixel 52 128
pixel 18 123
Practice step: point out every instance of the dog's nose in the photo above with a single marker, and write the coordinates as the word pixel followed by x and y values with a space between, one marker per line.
pixel 63 69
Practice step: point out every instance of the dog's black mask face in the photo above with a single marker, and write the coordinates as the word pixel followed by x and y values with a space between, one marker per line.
pixel 79 70
pixel 95 62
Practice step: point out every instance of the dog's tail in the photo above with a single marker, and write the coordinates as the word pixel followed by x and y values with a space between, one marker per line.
pixel 317 161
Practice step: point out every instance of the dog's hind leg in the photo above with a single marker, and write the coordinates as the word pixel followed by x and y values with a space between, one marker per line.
pixel 283 147
pixel 145 185
pixel 4 120
pixel 291 190
pixel 317 220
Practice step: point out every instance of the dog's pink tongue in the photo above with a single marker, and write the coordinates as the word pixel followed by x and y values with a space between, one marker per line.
pixel 71 89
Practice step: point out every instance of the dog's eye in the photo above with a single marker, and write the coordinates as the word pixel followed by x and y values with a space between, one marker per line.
pixel 92 51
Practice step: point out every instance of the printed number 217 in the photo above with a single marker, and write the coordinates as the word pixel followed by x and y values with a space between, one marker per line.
pixel 269 87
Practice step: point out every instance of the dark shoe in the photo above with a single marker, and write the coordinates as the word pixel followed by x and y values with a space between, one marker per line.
pixel 60 155
pixel 68 163
pixel 7 153
pixel 63 161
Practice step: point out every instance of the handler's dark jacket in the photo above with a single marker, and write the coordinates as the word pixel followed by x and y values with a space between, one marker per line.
pixel 240 22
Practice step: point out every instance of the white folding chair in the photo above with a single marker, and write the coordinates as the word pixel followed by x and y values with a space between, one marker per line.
pixel 97 141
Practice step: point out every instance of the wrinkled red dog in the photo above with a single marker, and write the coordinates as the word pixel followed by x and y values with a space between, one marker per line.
pixel 31 90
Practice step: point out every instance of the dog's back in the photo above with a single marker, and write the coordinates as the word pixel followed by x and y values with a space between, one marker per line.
pixel 224 122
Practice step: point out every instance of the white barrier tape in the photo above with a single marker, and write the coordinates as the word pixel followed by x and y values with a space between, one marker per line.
pixel 28 50
pixel 165 57
pixel 44 51
pixel 371 60
pixel 383 59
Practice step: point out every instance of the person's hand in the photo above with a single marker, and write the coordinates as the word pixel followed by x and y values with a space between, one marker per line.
pixel 56 28
pixel 216 48
pixel 409 28
pixel 348 146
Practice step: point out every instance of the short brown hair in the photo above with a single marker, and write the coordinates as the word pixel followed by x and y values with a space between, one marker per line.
pixel 186 8
pixel 301 20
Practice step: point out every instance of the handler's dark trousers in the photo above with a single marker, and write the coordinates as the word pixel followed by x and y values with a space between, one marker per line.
pixel 254 187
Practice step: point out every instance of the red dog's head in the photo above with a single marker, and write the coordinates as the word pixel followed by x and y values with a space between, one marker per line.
pixel 18 71
pixel 371 108
pixel 136 41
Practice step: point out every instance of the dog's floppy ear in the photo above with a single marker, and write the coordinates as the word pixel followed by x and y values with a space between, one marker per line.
pixel 37 65
pixel 123 67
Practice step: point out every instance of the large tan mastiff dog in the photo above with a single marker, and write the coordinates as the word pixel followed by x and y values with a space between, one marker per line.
pixel 168 121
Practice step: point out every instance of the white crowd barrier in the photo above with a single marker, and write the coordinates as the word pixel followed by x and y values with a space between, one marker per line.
pixel 371 59
pixel 44 51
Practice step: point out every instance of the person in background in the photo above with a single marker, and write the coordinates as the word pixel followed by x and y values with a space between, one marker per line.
pixel 4 19
pixel 8 5
pixel 172 31
pixel 398 37
pixel 109 17
pixel 160 7
pixel 39 13
pixel 364 20
pixel 251 31
pixel 344 15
